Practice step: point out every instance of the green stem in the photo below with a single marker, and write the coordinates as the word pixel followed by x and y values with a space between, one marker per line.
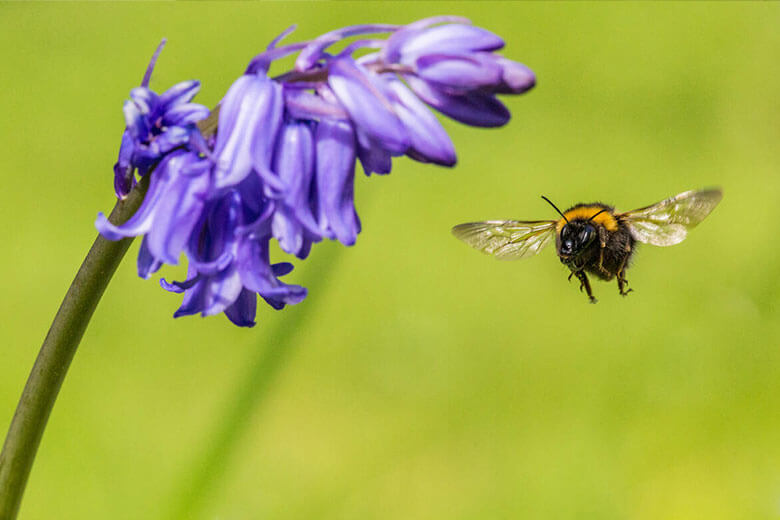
pixel 43 385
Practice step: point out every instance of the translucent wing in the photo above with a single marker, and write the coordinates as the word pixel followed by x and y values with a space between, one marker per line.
pixel 667 222
pixel 507 239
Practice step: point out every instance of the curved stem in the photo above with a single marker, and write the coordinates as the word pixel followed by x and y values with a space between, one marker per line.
pixel 45 380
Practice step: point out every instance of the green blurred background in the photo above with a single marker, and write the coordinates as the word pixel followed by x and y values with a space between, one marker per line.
pixel 419 379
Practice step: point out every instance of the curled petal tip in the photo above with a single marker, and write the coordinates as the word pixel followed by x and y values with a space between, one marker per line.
pixel 107 229
pixel 516 78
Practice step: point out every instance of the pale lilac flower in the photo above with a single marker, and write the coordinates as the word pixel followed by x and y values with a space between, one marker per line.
pixel 294 223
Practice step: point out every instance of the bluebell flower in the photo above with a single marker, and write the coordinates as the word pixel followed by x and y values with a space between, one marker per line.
pixel 452 67
pixel 249 120
pixel 156 125
pixel 230 264
pixel 294 224
pixel 177 193
pixel 282 163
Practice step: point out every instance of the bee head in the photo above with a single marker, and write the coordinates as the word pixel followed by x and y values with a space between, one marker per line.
pixel 575 237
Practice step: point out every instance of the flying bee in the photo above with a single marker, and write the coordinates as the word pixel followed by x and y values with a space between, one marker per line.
pixel 593 238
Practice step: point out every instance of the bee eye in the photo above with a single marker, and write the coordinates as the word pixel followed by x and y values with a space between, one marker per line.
pixel 586 234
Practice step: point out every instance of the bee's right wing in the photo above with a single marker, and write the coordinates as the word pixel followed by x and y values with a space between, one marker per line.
pixel 667 222
pixel 507 239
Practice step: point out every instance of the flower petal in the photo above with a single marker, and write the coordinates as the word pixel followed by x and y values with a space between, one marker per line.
pixel 257 274
pixel 141 221
pixel 223 290
pixel 185 113
pixel 173 137
pixel 135 122
pixel 335 178
pixel 243 310
pixel 214 235
pixel 430 141
pixel 305 105
pixel 287 231
pixel 179 287
pixel 473 108
pixel 409 43
pixel 373 157
pixel 465 71
pixel 123 169
pixel 294 162
pixel 179 93
pixel 248 120
pixel 516 78
pixel 146 263
pixel 179 209
pixel 144 99
pixel 209 295
pixel 361 93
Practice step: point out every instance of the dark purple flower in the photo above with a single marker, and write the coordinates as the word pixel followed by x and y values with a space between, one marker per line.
pixel 156 125
pixel 229 262
pixel 281 165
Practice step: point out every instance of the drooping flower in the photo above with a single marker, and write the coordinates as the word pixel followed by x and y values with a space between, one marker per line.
pixel 229 262
pixel 294 223
pixel 282 163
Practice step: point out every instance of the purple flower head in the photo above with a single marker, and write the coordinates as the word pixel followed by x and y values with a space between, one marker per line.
pixel 280 164
pixel 156 125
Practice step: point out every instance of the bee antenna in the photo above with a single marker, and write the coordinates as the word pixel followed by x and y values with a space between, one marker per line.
pixel 556 208
pixel 597 214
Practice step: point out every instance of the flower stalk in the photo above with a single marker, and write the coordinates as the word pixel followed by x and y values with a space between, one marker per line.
pixel 62 340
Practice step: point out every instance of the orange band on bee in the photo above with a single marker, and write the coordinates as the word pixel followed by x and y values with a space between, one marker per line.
pixel 605 218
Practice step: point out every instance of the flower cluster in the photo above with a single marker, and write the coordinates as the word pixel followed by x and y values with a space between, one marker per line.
pixel 281 165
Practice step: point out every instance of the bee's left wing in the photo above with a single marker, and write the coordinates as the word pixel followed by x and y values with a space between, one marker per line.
pixel 667 222
pixel 507 239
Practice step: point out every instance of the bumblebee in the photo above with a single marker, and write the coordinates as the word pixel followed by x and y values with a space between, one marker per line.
pixel 593 238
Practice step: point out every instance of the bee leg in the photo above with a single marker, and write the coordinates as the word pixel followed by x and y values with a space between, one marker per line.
pixel 602 245
pixel 600 267
pixel 584 283
pixel 621 275
pixel 622 284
